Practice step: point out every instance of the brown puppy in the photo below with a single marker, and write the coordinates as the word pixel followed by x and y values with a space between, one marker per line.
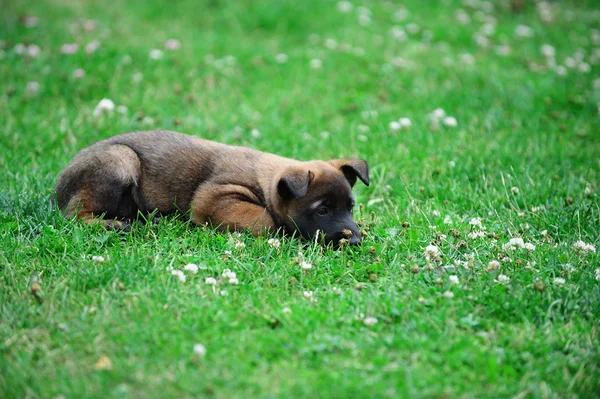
pixel 233 188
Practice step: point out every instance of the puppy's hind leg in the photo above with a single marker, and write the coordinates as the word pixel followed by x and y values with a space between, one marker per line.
pixel 102 180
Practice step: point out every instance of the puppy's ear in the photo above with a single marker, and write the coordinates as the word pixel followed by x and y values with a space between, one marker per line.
pixel 293 183
pixel 353 168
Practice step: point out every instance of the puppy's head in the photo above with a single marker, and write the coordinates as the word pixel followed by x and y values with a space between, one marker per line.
pixel 317 198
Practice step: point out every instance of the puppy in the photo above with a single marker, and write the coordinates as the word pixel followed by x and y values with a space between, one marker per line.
pixel 231 188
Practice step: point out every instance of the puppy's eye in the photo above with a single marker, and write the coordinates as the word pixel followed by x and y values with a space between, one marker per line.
pixel 322 211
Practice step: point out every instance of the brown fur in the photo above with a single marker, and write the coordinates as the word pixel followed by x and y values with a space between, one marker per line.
pixel 232 188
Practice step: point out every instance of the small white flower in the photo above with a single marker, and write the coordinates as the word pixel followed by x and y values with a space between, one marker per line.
pixel 513 244
pixel 172 44
pixel 503 50
pixel 92 46
pixel 30 21
pixel 33 50
pixel 431 251
pixel 582 248
pixel 305 265
pixel 330 43
pixel 560 70
pixel 454 279
pixel 413 28
pixel 274 242
pixel 191 267
pixel 405 123
pixel 210 281
pixel 155 54
pixel 96 258
pixel 448 294
pixel 69 48
pixel 529 246
pixel 597 271
pixel 398 33
pixel 467 59
pixel 447 220
pixel 476 234
pixel 20 48
pixel 286 310
pixel 122 109
pixel 307 294
pixel 523 31
pixel 493 265
pixel 502 279
pixel 548 51
pixel 228 274
pixel 462 17
pixel 316 63
pixel 199 350
pixel 395 126
pixel 32 87
pixel 344 6
pixel 281 58
pixel 570 62
pixel 436 213
pixel 438 114
pixel 364 19
pixel 179 274
pixel 515 190
pixel 450 121
pixel 584 67
pixel 370 321
pixel 559 281
pixel 104 106
pixel 233 281
pixel 78 73
pixel 239 245
pixel 475 222
pixel 255 133
pixel 227 253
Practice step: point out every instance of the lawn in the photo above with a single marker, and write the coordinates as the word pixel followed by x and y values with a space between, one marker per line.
pixel 479 274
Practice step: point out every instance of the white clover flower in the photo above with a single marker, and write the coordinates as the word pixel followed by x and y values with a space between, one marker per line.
pixel 398 33
pixel 199 350
pixel 584 67
pixel 105 106
pixel 191 267
pixel 438 114
pixel 467 59
pixel 395 126
pixel 155 54
pixel 503 50
pixel 281 58
pixel 582 248
pixel 454 279
pixel 20 48
pixel 33 50
pixel 210 281
pixel 523 31
pixel 255 133
pixel 515 190
pixel 436 213
pixel 448 294
pixel 548 51
pixel 559 281
pixel 570 62
pixel 122 109
pixel 30 21
pixel 179 274
pixel 316 63
pixel 493 265
pixel 307 294
pixel 228 274
pixel 529 246
pixel 286 310
pixel 78 73
pixel 413 28
pixel 92 46
pixel 536 209
pixel 305 265
pixel 447 220
pixel 513 244
pixel 344 6
pixel 370 321
pixel 364 19
pixel 172 44
pixel 450 121
pixel 32 87
pixel 233 281
pixel 475 222
pixel 597 271
pixel 227 252
pixel 274 242
pixel 239 245
pixel 432 251
pixel 330 43
pixel 69 48
pixel 476 234
pixel 462 17
pixel 405 123
pixel 98 258
pixel 502 279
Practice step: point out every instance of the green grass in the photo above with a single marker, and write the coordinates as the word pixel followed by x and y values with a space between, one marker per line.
pixel 518 126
